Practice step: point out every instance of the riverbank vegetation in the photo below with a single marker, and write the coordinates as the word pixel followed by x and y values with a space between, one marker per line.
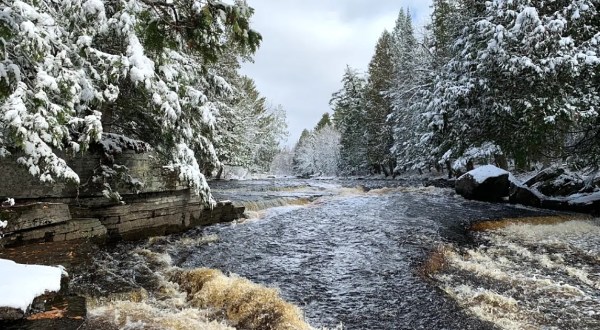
pixel 157 75
pixel 514 83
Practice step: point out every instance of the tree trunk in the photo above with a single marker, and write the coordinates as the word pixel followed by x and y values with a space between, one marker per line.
pixel 385 170
pixel 449 168
pixel 220 172
pixel 501 161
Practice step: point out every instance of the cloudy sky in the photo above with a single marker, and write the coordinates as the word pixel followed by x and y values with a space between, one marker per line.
pixel 308 43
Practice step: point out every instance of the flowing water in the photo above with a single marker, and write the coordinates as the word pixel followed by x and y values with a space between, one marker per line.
pixel 353 255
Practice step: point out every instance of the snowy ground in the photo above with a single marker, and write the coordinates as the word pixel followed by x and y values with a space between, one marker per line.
pixel 21 284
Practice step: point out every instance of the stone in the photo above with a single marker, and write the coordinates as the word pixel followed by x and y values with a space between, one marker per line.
pixel 487 183
pixel 159 214
pixel 521 194
pixel 549 173
pixel 34 215
pixel 563 185
pixel 87 228
pixel 145 167
pixel 10 314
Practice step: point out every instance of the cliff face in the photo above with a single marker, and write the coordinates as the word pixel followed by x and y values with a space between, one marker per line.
pixel 157 204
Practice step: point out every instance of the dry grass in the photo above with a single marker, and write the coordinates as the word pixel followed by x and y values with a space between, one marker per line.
pixel 244 304
pixel 542 220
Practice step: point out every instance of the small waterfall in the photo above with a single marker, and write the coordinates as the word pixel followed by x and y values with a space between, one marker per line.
pixel 259 205
pixel 162 296
pixel 244 304
pixel 537 273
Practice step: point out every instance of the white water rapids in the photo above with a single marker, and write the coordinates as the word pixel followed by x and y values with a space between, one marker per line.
pixel 327 255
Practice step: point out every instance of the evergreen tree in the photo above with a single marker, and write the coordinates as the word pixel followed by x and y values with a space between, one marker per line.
pixel 72 69
pixel 349 117
pixel 324 121
pixel 526 74
pixel 379 106
pixel 411 77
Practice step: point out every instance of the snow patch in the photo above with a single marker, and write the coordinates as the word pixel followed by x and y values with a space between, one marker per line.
pixel 21 284
pixel 482 173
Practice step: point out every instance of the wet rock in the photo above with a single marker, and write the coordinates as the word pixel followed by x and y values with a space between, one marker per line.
pixel 440 183
pixel 563 185
pixel 485 183
pixel 521 194
pixel 545 175
pixel 74 229
pixel 582 203
pixel 28 216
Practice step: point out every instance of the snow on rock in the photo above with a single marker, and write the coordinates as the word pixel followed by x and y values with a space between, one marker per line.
pixel 485 183
pixel 21 284
pixel 485 172
pixel 584 199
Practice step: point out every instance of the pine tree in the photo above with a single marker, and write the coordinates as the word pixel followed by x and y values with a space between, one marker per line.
pixel 411 77
pixel 349 117
pixel 379 106
pixel 73 69
pixel 525 76
pixel 324 121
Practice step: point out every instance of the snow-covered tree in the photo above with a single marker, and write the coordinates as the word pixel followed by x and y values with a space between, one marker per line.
pixel 524 77
pixel 319 153
pixel 349 118
pixel 283 162
pixel 379 106
pixel 412 79
pixel 271 131
pixel 73 69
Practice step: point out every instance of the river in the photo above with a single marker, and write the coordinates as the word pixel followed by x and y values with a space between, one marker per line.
pixel 348 254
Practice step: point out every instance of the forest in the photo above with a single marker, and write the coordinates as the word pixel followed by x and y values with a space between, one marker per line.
pixel 512 83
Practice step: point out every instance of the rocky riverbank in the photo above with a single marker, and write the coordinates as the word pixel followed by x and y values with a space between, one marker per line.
pixel 83 215
pixel 552 188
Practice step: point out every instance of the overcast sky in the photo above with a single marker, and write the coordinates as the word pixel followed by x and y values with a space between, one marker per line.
pixel 307 45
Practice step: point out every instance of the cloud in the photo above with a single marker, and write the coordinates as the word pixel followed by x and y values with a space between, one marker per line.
pixel 307 45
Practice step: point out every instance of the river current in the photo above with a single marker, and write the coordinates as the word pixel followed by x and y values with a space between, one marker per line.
pixel 353 255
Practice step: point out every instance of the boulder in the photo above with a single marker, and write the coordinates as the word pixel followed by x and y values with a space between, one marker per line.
pixel 485 183
pixel 564 185
pixel 549 173
pixel 521 194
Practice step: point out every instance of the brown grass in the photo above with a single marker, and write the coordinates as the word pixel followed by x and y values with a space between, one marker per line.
pixel 245 305
pixel 542 220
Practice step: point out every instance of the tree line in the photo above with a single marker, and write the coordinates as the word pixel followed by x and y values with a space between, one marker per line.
pixel 512 83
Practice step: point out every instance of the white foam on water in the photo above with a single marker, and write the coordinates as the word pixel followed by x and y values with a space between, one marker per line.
pixel 191 298
pixel 529 276
pixel 145 315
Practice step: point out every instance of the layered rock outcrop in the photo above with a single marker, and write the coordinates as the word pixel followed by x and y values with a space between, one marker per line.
pixel 157 204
